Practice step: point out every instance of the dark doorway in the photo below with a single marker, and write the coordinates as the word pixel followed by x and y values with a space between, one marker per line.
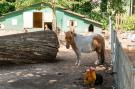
pixel 91 28
pixel 49 24
pixel 37 19
pixel 72 25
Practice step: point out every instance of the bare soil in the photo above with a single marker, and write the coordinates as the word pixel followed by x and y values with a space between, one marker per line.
pixel 59 74
pixel 128 46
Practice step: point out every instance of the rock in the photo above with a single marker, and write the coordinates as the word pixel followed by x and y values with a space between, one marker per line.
pixel 38 69
pixel 37 75
pixel 100 68
pixel 65 88
pixel 10 81
pixel 74 85
pixel 59 73
pixel 18 73
pixel 52 81
pixel 28 75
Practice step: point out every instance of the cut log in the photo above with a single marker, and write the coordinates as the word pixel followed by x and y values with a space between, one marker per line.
pixel 41 45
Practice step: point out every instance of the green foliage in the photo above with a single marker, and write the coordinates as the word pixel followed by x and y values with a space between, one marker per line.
pixel 67 4
pixel 86 7
pixel 11 1
pixel 103 19
pixel 129 23
pixel 117 6
pixel 104 23
pixel 95 16
pixel 103 5
pixel 6 7
pixel 20 4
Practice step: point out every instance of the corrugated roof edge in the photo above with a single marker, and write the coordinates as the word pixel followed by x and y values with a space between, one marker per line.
pixel 84 17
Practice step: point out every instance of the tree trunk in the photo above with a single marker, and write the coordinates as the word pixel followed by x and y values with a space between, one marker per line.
pixel 41 45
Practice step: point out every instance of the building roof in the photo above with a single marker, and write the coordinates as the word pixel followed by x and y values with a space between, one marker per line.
pixel 64 9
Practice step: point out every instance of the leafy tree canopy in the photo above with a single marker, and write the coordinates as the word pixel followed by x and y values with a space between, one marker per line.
pixel 6 7
pixel 11 1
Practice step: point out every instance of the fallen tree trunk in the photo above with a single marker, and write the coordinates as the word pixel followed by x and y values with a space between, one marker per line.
pixel 41 45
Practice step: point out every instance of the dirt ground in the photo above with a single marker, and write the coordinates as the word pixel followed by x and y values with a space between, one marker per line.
pixel 128 46
pixel 59 74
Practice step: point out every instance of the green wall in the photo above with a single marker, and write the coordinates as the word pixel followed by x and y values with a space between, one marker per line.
pixel 61 16
pixel 8 21
pixel 18 16
pixel 82 25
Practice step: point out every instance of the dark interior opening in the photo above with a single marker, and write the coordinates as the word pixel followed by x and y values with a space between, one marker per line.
pixel 72 23
pixel 49 24
pixel 91 28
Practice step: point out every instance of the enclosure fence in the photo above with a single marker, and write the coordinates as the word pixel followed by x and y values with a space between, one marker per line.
pixel 124 22
pixel 122 66
pixel 119 19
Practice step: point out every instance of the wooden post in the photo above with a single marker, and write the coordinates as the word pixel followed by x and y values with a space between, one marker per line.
pixel 131 6
pixel 119 21
pixel 54 16
pixel 116 25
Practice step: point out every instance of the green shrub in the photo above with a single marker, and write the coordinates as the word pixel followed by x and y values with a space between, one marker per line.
pixel 6 7
pixel 104 24
pixel 128 23
pixel 97 16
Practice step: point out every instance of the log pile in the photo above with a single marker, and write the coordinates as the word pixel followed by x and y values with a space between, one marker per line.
pixel 41 45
